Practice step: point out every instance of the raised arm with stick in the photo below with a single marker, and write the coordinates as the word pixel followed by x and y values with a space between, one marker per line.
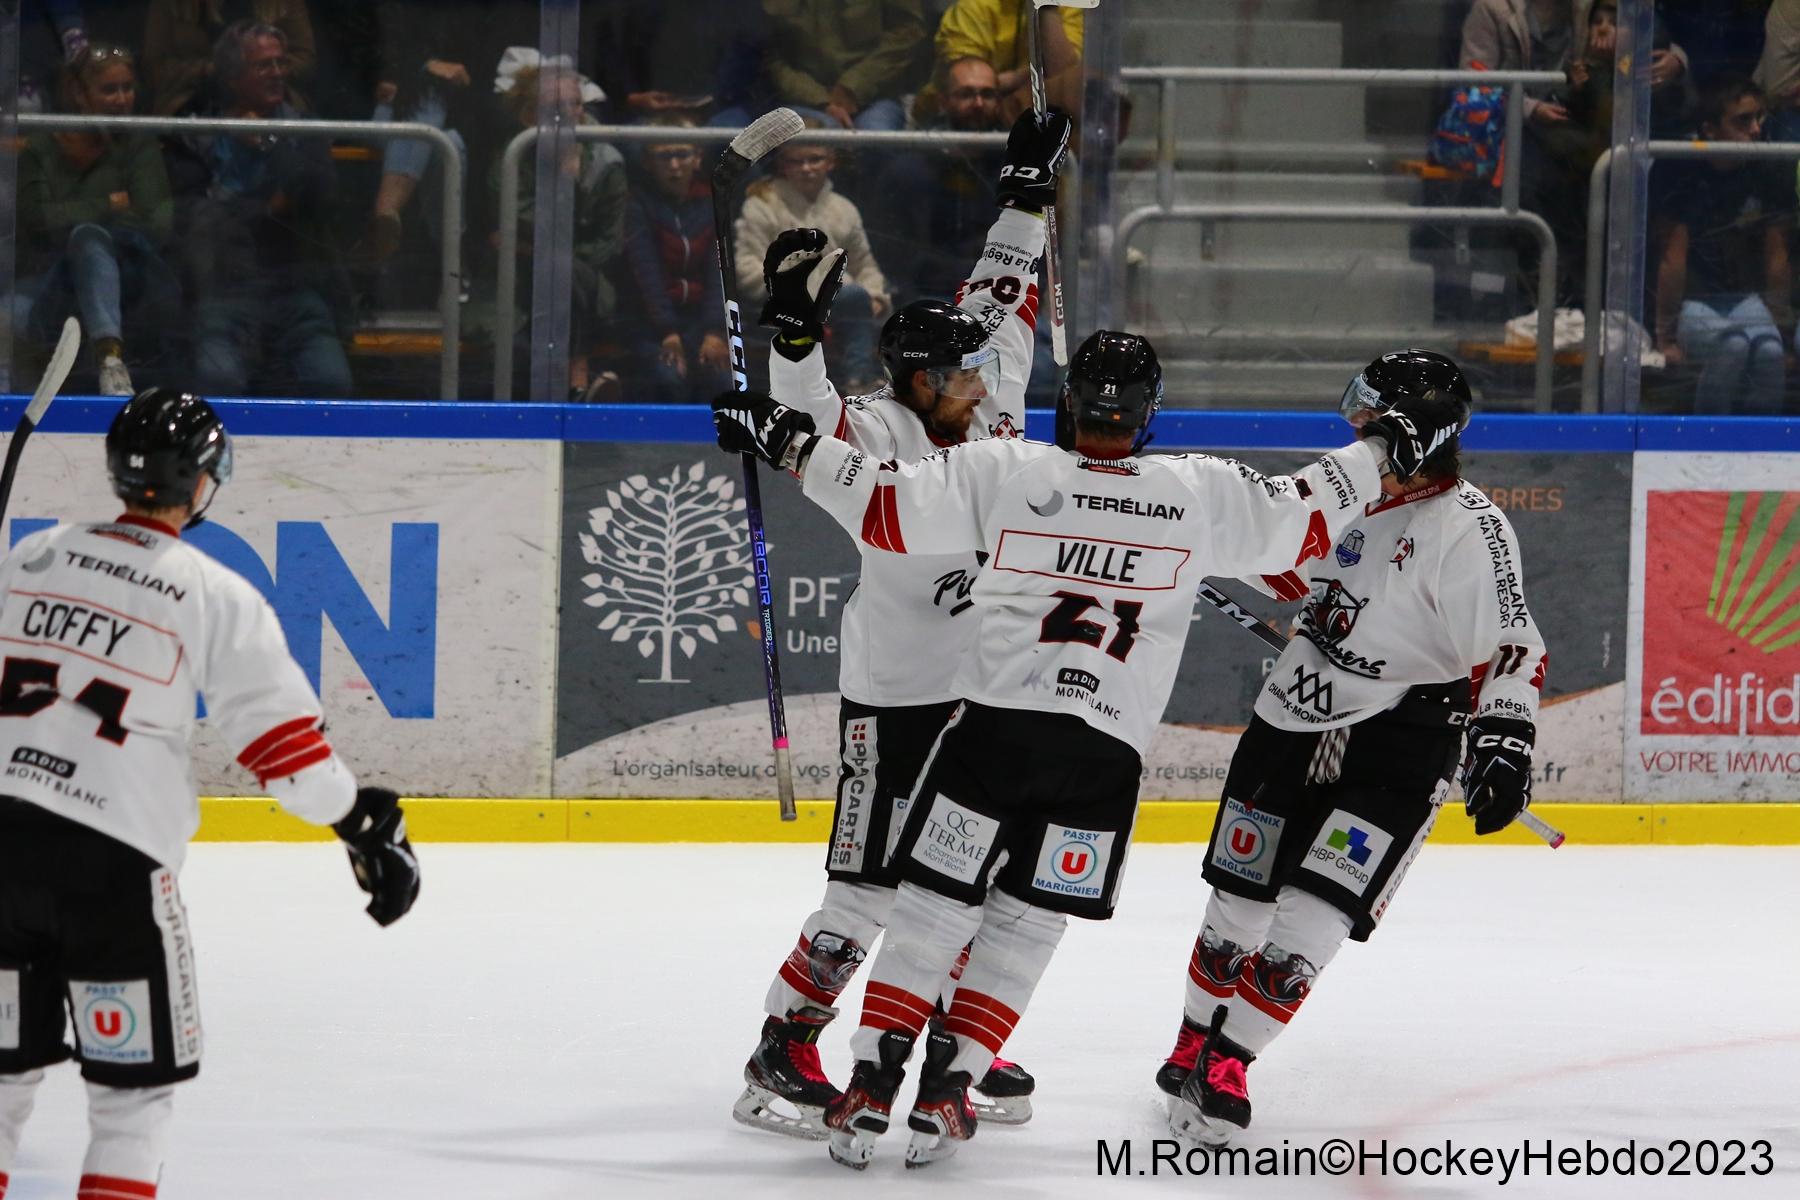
pixel 1059 338
pixel 761 138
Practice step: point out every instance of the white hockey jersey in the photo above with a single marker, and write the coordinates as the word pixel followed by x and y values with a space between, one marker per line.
pixel 1424 589
pixel 1088 591
pixel 111 632
pixel 907 625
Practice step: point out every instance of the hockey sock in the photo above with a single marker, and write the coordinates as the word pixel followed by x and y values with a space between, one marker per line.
pixel 17 1093
pixel 832 945
pixel 1012 948
pixel 1302 940
pixel 1233 927
pixel 128 1129
pixel 925 933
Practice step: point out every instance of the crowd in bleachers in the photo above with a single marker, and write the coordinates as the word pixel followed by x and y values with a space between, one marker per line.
pixel 1719 287
pixel 269 263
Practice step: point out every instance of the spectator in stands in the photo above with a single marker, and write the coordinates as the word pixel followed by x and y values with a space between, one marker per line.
pixel 800 196
pixel 95 209
pixel 179 36
pixel 1778 74
pixel 932 209
pixel 1723 282
pixel 1558 150
pixel 695 58
pixel 845 63
pixel 669 250
pixel 994 31
pixel 51 34
pixel 256 221
pixel 427 47
pixel 597 174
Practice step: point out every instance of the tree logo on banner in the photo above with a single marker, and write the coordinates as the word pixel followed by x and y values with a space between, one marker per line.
pixel 670 561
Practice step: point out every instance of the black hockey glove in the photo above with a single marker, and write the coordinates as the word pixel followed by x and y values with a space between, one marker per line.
pixel 1496 772
pixel 1034 153
pixel 754 423
pixel 375 835
pixel 1413 429
pixel 803 275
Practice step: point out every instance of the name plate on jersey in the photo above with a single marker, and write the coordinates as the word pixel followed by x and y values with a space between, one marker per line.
pixel 92 631
pixel 1126 565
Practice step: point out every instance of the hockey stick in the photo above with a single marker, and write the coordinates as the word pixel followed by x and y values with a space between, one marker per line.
pixel 1059 336
pixel 1270 638
pixel 762 136
pixel 56 373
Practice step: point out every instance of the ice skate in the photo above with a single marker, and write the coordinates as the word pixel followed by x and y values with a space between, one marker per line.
pixel 855 1119
pixel 1004 1094
pixel 1215 1098
pixel 942 1115
pixel 786 1090
pixel 1180 1063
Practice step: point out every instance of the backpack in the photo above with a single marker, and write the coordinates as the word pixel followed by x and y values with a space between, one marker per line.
pixel 1471 133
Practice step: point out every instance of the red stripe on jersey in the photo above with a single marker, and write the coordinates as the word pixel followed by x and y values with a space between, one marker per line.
pixel 111 1185
pixel 1537 676
pixel 295 763
pixel 1028 308
pixel 2 1185
pixel 288 747
pixel 881 521
pixel 1476 675
pixel 262 745
pixel 1318 539
pixel 1286 586
pixel 842 433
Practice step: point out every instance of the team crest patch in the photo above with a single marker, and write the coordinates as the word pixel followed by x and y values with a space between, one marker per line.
pixel 112 1021
pixel 1247 841
pixel 1072 862
pixel 1348 849
pixel 955 840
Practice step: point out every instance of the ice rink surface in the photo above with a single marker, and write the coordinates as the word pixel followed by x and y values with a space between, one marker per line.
pixel 571 1021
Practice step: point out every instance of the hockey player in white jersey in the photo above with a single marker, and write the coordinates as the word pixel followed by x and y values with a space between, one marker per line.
pixel 1415 626
pixel 1026 803
pixel 957 373
pixel 112 630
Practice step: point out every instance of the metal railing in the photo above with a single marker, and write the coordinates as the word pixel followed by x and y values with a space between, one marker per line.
pixel 450 238
pixel 1397 214
pixel 659 134
pixel 1509 213
pixel 1596 313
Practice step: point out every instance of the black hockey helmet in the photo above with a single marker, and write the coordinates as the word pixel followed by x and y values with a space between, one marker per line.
pixel 1114 382
pixel 161 443
pixel 1419 374
pixel 935 336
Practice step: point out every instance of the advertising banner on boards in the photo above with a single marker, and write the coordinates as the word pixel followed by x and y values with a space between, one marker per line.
pixel 414 580
pixel 660 679
pixel 1715 673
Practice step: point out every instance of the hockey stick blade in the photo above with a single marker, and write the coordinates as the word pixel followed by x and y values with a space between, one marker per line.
pixel 56 372
pixel 1551 835
pixel 758 138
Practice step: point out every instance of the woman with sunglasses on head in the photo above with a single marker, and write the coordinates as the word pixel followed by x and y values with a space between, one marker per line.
pixel 95 209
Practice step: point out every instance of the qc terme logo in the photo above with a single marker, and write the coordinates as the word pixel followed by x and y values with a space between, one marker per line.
pixel 1721 593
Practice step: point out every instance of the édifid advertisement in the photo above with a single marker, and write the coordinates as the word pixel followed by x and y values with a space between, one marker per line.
pixel 660 680
pixel 1715 684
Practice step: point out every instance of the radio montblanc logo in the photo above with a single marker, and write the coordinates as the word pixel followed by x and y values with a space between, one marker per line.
pixel 671 563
